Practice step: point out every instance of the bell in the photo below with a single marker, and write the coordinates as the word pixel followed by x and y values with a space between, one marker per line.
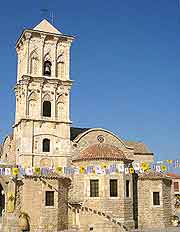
pixel 47 70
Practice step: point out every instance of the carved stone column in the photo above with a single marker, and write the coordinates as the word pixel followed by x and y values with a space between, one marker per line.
pixel 27 37
pixel 43 37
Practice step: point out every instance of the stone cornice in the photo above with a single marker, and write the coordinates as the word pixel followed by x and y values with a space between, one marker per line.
pixel 46 79
pixel 67 38
pixel 138 153
pixel 40 120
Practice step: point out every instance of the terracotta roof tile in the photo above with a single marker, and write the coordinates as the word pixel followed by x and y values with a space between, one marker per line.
pixel 173 175
pixel 139 147
pixel 152 175
pixel 101 151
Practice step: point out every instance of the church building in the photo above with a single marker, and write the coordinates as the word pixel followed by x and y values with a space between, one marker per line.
pixel 44 138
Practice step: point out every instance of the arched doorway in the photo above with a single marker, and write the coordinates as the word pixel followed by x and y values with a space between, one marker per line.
pixel 2 199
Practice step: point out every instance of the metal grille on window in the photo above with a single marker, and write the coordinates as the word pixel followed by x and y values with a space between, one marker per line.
pixel 127 188
pixel 113 188
pixel 94 188
pixel 47 109
pixel 156 200
pixel 46 145
pixel 49 198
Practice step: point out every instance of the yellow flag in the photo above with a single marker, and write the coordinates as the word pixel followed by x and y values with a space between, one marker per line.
pixel 15 171
pixel 59 169
pixel 163 168
pixel 82 169
pixel 104 166
pixel 37 170
pixel 94 170
pixel 145 166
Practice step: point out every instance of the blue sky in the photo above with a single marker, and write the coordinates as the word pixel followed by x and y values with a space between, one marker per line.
pixel 125 63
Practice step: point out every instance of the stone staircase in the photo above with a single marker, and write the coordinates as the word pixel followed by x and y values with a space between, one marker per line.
pixel 122 228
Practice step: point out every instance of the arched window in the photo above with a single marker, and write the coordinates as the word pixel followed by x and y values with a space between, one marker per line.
pixel 46 145
pixel 47 109
pixel 47 68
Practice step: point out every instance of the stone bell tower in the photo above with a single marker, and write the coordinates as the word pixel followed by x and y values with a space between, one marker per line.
pixel 42 123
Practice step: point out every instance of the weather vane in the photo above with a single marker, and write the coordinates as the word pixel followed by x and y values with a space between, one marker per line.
pixel 48 14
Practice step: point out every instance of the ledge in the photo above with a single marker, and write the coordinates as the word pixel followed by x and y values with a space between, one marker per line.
pixel 43 120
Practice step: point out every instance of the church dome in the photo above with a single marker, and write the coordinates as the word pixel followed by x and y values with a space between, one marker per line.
pixel 101 151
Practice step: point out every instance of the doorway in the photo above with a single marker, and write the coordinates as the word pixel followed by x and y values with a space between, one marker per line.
pixel 2 199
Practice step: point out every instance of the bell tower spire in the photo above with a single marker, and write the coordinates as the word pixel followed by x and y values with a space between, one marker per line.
pixel 42 93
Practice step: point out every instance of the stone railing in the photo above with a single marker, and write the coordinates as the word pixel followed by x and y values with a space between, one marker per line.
pixel 79 207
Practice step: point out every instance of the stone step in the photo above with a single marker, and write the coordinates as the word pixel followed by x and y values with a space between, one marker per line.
pixel 170 229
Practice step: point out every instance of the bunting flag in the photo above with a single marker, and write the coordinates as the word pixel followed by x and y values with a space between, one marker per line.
pixel 158 168
pixel 163 168
pixel 136 166
pixel 59 170
pixel 145 166
pixel 1 171
pixel 98 170
pixel 89 169
pixel 131 170
pixel 82 170
pixel 104 166
pixel 7 172
pixel 15 171
pixel 76 171
pixel 116 168
pixel 22 171
pixel 44 171
pixel 37 170
pixel 29 171
pixel 120 168
pixel 126 170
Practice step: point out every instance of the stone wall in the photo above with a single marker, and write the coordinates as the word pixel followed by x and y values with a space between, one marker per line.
pixel 149 215
pixel 33 203
pixel 120 207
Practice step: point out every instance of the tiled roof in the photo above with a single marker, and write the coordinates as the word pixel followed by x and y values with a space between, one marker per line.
pixel 173 175
pixel 139 147
pixel 101 151
pixel 152 175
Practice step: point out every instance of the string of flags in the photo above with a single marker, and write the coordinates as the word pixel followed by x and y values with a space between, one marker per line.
pixel 115 168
